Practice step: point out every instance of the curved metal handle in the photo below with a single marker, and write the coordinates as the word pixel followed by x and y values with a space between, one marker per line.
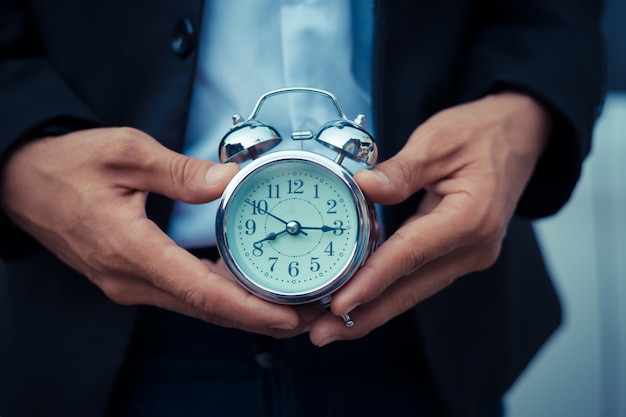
pixel 287 90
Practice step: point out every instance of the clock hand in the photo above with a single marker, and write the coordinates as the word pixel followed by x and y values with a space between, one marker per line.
pixel 324 228
pixel 271 236
pixel 289 224
pixel 263 211
pixel 292 227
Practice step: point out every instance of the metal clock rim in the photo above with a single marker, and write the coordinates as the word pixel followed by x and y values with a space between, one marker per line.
pixel 364 240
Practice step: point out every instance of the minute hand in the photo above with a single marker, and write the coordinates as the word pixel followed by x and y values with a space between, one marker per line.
pixel 263 211
pixel 324 228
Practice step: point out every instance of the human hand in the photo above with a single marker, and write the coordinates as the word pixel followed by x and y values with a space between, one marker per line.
pixel 473 161
pixel 82 195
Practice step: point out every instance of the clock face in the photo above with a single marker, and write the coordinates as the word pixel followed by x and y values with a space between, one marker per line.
pixel 291 227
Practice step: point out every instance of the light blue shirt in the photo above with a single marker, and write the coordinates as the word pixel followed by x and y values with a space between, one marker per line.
pixel 249 47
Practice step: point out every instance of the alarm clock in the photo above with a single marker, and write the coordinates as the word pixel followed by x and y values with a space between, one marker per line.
pixel 293 226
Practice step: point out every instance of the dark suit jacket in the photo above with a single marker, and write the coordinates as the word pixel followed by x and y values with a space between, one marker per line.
pixel 67 64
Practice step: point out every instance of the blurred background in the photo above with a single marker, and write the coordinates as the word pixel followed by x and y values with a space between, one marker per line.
pixel 581 372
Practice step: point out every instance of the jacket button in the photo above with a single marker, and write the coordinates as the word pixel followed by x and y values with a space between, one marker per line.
pixel 183 38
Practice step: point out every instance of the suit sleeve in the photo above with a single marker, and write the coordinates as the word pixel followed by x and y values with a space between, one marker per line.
pixel 34 102
pixel 553 51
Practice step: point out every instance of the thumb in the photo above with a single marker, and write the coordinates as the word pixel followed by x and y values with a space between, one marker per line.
pixel 392 181
pixel 193 180
pixel 177 176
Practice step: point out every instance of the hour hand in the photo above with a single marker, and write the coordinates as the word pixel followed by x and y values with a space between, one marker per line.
pixel 271 236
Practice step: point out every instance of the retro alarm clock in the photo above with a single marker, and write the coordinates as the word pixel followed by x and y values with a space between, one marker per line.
pixel 293 226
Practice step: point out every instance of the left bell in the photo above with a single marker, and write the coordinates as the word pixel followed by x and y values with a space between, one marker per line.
pixel 247 140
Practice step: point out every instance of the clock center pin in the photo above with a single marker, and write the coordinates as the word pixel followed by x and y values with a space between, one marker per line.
pixel 293 227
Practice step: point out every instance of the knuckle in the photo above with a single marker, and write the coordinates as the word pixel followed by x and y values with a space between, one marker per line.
pixel 484 224
pixel 415 255
pixel 414 261
pixel 495 227
pixel 206 308
pixel 182 170
pixel 487 236
pixel 109 258
pixel 126 147
pixel 490 228
pixel 190 296
pixel 130 133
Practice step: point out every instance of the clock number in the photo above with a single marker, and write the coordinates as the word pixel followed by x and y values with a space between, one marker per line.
pixel 338 228
pixel 293 269
pixel 295 187
pixel 329 249
pixel 315 266
pixel 260 208
pixel 274 190
pixel 250 227
pixel 258 249
pixel 273 260
pixel 332 207
pixel 317 191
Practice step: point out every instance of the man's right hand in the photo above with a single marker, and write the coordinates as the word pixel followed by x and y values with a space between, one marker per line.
pixel 82 195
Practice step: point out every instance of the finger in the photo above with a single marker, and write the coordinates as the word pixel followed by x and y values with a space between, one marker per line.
pixel 188 286
pixel 220 300
pixel 422 239
pixel 428 155
pixel 219 267
pixel 397 299
pixel 390 182
pixel 139 162
pixel 190 180
pixel 307 313
pixel 136 292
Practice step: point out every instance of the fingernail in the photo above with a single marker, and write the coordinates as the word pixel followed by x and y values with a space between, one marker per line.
pixel 215 173
pixel 282 326
pixel 330 340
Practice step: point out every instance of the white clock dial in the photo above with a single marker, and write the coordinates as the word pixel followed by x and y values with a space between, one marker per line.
pixel 293 227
